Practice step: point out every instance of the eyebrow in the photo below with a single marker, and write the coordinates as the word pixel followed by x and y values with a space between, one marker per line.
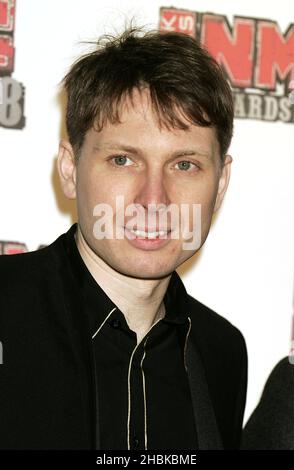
pixel 136 151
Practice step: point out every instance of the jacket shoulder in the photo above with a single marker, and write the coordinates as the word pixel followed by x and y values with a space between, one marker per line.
pixel 26 275
pixel 30 291
pixel 214 326
pixel 22 265
pixel 270 426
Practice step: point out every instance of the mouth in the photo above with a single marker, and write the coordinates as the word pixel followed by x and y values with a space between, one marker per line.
pixel 148 240
pixel 149 234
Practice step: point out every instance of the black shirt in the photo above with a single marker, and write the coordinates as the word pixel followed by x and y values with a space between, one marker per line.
pixel 144 395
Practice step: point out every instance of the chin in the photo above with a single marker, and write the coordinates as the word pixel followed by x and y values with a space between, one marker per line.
pixel 145 272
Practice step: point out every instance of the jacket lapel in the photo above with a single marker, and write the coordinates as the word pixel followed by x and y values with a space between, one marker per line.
pixel 205 421
pixel 207 431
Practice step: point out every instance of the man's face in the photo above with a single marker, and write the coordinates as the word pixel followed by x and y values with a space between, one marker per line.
pixel 146 164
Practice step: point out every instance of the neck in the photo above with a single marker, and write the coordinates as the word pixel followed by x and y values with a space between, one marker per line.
pixel 140 300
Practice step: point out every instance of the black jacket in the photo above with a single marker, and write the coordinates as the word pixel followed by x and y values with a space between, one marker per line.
pixel 47 386
pixel 271 425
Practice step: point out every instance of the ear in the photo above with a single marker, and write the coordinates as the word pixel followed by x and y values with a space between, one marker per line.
pixel 66 166
pixel 223 181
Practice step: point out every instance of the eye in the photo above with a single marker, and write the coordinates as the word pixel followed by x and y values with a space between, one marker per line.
pixel 120 160
pixel 186 165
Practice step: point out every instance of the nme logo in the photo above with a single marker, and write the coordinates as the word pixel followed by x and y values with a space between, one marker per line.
pixel 11 91
pixel 178 20
pixel 257 57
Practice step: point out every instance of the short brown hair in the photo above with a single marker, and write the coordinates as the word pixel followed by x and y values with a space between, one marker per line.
pixel 179 72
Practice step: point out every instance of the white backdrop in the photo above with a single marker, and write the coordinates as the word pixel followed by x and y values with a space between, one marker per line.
pixel 245 269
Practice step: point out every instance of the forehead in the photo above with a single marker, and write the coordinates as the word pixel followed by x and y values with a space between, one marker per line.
pixel 142 125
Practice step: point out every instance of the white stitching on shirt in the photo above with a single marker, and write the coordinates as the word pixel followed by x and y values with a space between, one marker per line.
pixel 143 376
pixel 144 394
pixel 186 343
pixel 129 386
pixel 103 323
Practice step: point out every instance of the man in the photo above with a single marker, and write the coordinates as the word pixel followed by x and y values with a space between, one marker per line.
pixel 102 346
pixel 270 427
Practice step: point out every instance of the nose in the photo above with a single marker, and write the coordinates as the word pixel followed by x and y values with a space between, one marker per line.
pixel 152 190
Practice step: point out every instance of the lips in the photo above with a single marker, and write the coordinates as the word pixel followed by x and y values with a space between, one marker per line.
pixel 148 233
pixel 147 241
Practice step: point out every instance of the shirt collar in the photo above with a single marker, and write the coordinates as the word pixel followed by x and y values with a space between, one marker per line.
pixel 100 305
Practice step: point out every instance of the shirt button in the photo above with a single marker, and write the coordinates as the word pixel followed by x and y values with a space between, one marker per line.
pixel 115 323
pixel 136 442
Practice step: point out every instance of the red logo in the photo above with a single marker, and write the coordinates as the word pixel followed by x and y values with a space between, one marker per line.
pixel 257 57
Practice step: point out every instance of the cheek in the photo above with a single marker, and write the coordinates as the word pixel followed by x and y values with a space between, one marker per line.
pixel 208 204
pixel 203 193
pixel 91 188
pixel 94 189
pixel 89 194
pixel 205 196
